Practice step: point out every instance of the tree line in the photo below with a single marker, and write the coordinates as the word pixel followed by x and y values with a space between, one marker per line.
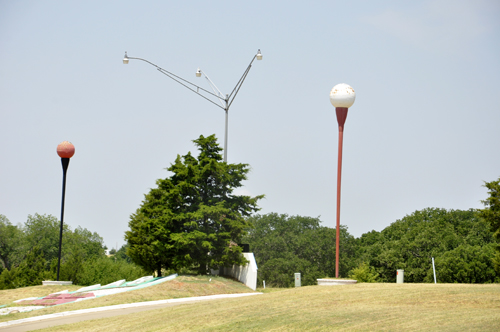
pixel 29 254
pixel 192 220
pixel 461 243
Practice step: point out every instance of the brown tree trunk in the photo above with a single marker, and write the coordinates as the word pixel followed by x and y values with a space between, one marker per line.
pixel 159 269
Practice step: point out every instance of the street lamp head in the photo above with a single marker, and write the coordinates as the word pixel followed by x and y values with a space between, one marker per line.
pixel 198 73
pixel 125 59
pixel 259 55
pixel 65 150
pixel 342 95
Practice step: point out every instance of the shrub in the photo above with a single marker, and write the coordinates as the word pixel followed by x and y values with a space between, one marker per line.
pixel 364 273
pixel 105 270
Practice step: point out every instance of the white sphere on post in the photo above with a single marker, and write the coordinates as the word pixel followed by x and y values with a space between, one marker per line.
pixel 342 95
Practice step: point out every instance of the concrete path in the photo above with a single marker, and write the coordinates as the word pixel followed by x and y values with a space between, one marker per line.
pixel 69 317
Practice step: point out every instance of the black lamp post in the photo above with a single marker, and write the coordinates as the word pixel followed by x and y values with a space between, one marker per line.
pixel 65 150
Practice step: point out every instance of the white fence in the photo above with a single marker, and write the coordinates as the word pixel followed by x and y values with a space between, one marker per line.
pixel 246 274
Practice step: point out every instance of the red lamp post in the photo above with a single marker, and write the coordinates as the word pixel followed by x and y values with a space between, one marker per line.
pixel 65 150
pixel 342 97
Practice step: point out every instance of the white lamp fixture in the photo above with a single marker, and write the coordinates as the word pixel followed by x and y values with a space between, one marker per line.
pixel 342 95
pixel 259 55
pixel 198 73
pixel 125 59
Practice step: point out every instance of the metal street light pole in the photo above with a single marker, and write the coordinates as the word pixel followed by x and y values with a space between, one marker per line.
pixel 224 100
pixel 342 96
pixel 65 150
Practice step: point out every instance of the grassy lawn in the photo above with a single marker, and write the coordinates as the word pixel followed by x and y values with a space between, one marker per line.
pixel 182 286
pixel 386 307
pixel 270 289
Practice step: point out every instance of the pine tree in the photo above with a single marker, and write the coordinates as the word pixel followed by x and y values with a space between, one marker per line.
pixel 192 218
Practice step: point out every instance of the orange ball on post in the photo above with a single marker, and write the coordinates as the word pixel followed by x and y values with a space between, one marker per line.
pixel 65 150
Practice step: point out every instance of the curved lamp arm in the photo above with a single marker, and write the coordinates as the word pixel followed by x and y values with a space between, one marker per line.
pixel 231 97
pixel 228 99
pixel 176 78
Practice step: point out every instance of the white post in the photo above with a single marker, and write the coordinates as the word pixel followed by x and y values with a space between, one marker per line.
pixel 400 276
pixel 434 270
pixel 264 282
pixel 297 280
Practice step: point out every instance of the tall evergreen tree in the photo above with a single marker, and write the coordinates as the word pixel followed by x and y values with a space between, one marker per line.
pixel 192 218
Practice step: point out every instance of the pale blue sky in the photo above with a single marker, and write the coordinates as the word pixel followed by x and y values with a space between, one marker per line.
pixel 423 132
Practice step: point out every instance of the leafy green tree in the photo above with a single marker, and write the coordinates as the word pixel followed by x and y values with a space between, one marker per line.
pixel 78 247
pixel 491 214
pixel 279 272
pixel 10 236
pixel 42 231
pixel 32 270
pixel 121 254
pixel 192 217
pixel 465 264
pixel 284 245
pixel 39 231
pixel 492 211
pixel 30 252
pixel 411 242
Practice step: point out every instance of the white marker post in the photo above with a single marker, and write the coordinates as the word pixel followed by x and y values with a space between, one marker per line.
pixel 297 280
pixel 434 270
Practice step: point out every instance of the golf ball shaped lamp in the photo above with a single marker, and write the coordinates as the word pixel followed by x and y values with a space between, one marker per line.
pixel 342 96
